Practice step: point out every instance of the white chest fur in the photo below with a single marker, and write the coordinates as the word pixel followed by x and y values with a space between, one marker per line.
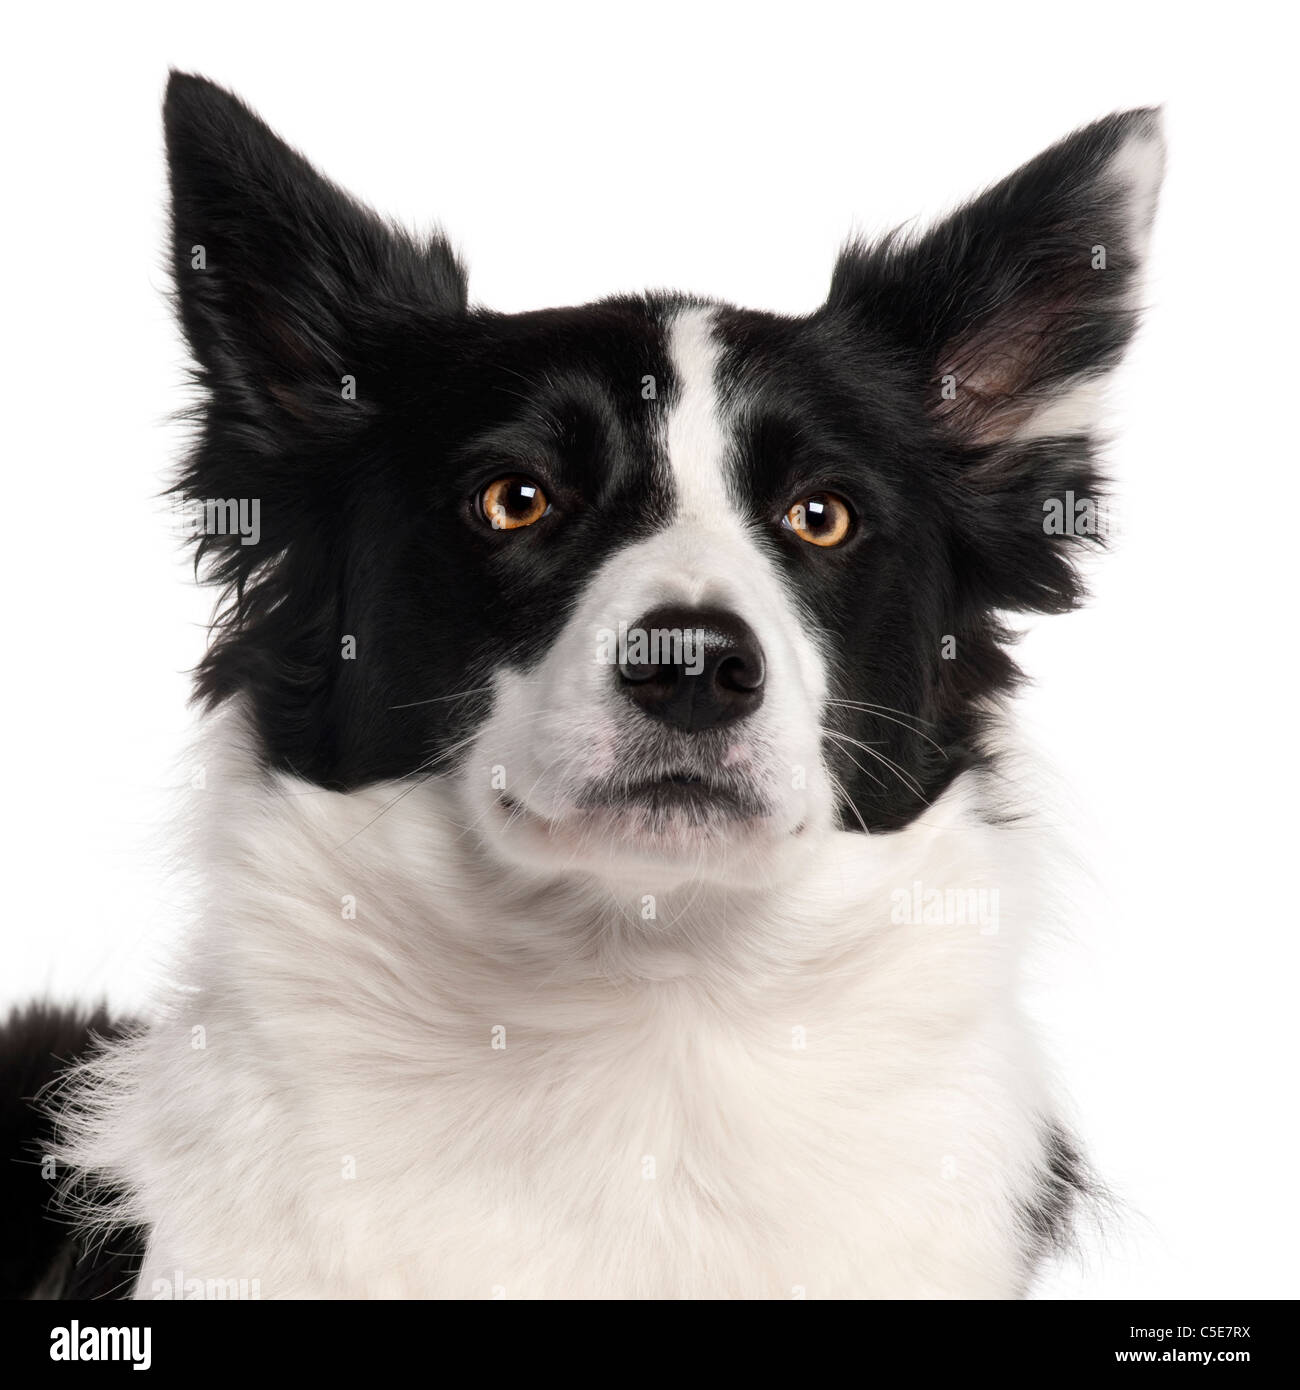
pixel 391 1070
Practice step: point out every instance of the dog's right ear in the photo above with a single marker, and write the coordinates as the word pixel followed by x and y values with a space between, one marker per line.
pixel 279 273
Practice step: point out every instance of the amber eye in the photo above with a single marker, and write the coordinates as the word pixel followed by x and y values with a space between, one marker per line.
pixel 820 519
pixel 509 503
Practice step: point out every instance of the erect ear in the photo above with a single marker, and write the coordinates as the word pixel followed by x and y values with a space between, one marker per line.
pixel 1019 303
pixel 1011 313
pixel 279 273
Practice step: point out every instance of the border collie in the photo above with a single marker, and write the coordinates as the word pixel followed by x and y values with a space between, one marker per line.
pixel 614 852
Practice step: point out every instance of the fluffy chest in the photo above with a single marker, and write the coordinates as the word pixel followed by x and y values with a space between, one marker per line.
pixel 638 1142
pixel 811 1093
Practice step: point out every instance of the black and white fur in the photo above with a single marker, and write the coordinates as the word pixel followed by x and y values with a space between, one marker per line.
pixel 501 987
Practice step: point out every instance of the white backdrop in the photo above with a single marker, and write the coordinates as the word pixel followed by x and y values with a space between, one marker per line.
pixel 574 150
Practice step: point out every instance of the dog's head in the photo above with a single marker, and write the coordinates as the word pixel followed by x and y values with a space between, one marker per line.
pixel 654 580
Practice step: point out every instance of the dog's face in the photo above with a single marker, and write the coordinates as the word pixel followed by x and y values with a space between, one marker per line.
pixel 650 582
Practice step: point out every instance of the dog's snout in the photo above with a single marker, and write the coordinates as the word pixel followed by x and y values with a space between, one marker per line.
pixel 692 668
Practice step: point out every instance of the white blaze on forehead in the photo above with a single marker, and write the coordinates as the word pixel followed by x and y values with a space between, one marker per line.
pixel 709 553
pixel 696 436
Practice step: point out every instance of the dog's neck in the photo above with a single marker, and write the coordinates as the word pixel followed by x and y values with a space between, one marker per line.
pixel 403 862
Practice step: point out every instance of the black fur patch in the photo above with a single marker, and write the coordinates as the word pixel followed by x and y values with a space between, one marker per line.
pixel 1065 1184
pixel 41 1256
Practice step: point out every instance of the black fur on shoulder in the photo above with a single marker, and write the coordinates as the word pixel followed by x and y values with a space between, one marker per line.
pixel 41 1256
pixel 1066 1186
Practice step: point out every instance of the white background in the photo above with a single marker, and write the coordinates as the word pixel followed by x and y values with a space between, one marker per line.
pixel 572 151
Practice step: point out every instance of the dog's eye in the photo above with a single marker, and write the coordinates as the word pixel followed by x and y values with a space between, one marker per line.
pixel 820 519
pixel 509 503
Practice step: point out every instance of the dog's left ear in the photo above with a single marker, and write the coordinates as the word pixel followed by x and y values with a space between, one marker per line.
pixel 1020 301
pixel 1011 313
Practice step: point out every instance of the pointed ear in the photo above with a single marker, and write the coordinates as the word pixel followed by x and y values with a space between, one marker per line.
pixel 1010 314
pixel 279 273
pixel 1016 307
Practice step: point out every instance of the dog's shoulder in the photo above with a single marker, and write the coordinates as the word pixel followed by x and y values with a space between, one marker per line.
pixel 44 1255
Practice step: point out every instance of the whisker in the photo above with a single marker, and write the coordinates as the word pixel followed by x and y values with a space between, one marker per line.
pixel 864 771
pixel 886 709
pixel 430 764
pixel 839 787
pixel 902 775
pixel 877 712
pixel 437 699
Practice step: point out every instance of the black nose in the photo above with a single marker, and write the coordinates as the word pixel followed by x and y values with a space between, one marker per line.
pixel 693 668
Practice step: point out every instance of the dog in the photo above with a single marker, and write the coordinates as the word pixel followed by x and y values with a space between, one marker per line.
pixel 614 849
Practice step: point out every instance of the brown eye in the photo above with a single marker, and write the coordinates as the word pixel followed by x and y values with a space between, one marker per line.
pixel 512 502
pixel 820 519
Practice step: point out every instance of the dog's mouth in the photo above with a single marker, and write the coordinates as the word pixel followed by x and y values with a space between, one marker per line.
pixel 686 795
pixel 675 810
